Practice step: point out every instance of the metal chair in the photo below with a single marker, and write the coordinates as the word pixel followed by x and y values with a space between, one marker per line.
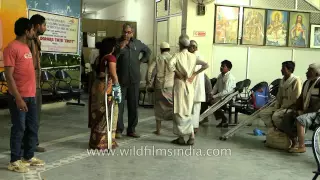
pixel 62 84
pixel 316 151
pixel 67 90
pixel 47 78
pixel 242 102
pixel 213 81
pixel 274 87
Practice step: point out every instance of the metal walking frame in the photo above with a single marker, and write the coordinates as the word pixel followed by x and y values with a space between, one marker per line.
pixel 216 106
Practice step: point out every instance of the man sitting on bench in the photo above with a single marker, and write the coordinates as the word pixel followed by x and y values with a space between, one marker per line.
pixel 225 85
pixel 306 114
pixel 288 93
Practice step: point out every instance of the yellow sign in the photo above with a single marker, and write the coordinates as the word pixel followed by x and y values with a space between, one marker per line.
pixel 62 33
pixel 10 11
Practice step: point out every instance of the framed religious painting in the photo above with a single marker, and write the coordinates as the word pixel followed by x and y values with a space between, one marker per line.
pixel 277 28
pixel 315 36
pixel 226 25
pixel 253 26
pixel 299 29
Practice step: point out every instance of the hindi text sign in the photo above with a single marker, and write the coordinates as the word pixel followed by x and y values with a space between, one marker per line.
pixel 61 35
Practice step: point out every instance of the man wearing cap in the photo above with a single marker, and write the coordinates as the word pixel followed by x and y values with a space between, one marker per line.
pixel 128 69
pixel 162 83
pixel 183 64
pixel 200 93
pixel 307 110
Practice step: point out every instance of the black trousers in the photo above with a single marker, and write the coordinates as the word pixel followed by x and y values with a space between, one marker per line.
pixel 131 94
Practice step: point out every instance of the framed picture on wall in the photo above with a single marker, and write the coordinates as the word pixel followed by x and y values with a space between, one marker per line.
pixel 277 28
pixel 253 26
pixel 299 29
pixel 226 25
pixel 315 36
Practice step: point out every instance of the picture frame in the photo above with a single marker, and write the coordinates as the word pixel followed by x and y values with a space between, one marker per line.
pixel 277 28
pixel 253 26
pixel 226 24
pixel 314 36
pixel 299 29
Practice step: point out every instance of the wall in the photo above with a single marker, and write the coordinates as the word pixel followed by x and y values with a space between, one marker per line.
pixel 10 11
pixel 94 25
pixel 254 62
pixel 200 23
pixel 140 11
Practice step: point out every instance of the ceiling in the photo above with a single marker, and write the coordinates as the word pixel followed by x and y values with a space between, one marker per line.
pixel 92 6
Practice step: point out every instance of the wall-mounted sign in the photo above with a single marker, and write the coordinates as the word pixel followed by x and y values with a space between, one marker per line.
pixel 102 33
pixel 199 33
pixel 62 33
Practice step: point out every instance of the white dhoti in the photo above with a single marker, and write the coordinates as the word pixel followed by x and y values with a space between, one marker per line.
pixel 182 125
pixel 196 114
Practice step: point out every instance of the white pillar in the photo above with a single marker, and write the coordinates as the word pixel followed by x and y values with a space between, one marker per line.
pixel 195 26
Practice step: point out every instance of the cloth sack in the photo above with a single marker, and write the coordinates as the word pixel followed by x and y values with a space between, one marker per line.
pixel 277 140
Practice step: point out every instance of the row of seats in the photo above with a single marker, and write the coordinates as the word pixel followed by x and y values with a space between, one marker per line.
pixel 58 86
pixel 244 104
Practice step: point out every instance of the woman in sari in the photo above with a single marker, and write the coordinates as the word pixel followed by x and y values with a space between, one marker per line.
pixel 105 66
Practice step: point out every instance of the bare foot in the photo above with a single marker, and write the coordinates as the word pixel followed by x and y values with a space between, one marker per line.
pixel 156 133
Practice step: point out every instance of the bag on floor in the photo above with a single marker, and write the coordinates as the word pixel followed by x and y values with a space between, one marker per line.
pixel 277 140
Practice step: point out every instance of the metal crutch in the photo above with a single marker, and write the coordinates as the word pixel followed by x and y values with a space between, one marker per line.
pixel 109 124
pixel 243 123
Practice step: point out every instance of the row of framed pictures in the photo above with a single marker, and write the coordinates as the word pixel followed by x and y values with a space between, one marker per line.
pixel 264 27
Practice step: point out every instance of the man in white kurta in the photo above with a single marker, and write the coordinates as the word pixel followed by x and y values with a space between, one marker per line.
pixel 289 91
pixel 183 64
pixel 200 93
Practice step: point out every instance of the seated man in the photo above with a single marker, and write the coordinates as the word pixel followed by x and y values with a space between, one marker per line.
pixel 288 93
pixel 307 110
pixel 224 86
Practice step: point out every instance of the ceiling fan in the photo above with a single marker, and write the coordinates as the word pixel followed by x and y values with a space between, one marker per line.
pixel 201 6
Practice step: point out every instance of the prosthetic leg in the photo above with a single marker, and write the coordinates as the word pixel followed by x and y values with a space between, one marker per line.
pixel 249 120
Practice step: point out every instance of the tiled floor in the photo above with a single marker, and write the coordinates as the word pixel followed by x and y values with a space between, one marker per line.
pixel 65 134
